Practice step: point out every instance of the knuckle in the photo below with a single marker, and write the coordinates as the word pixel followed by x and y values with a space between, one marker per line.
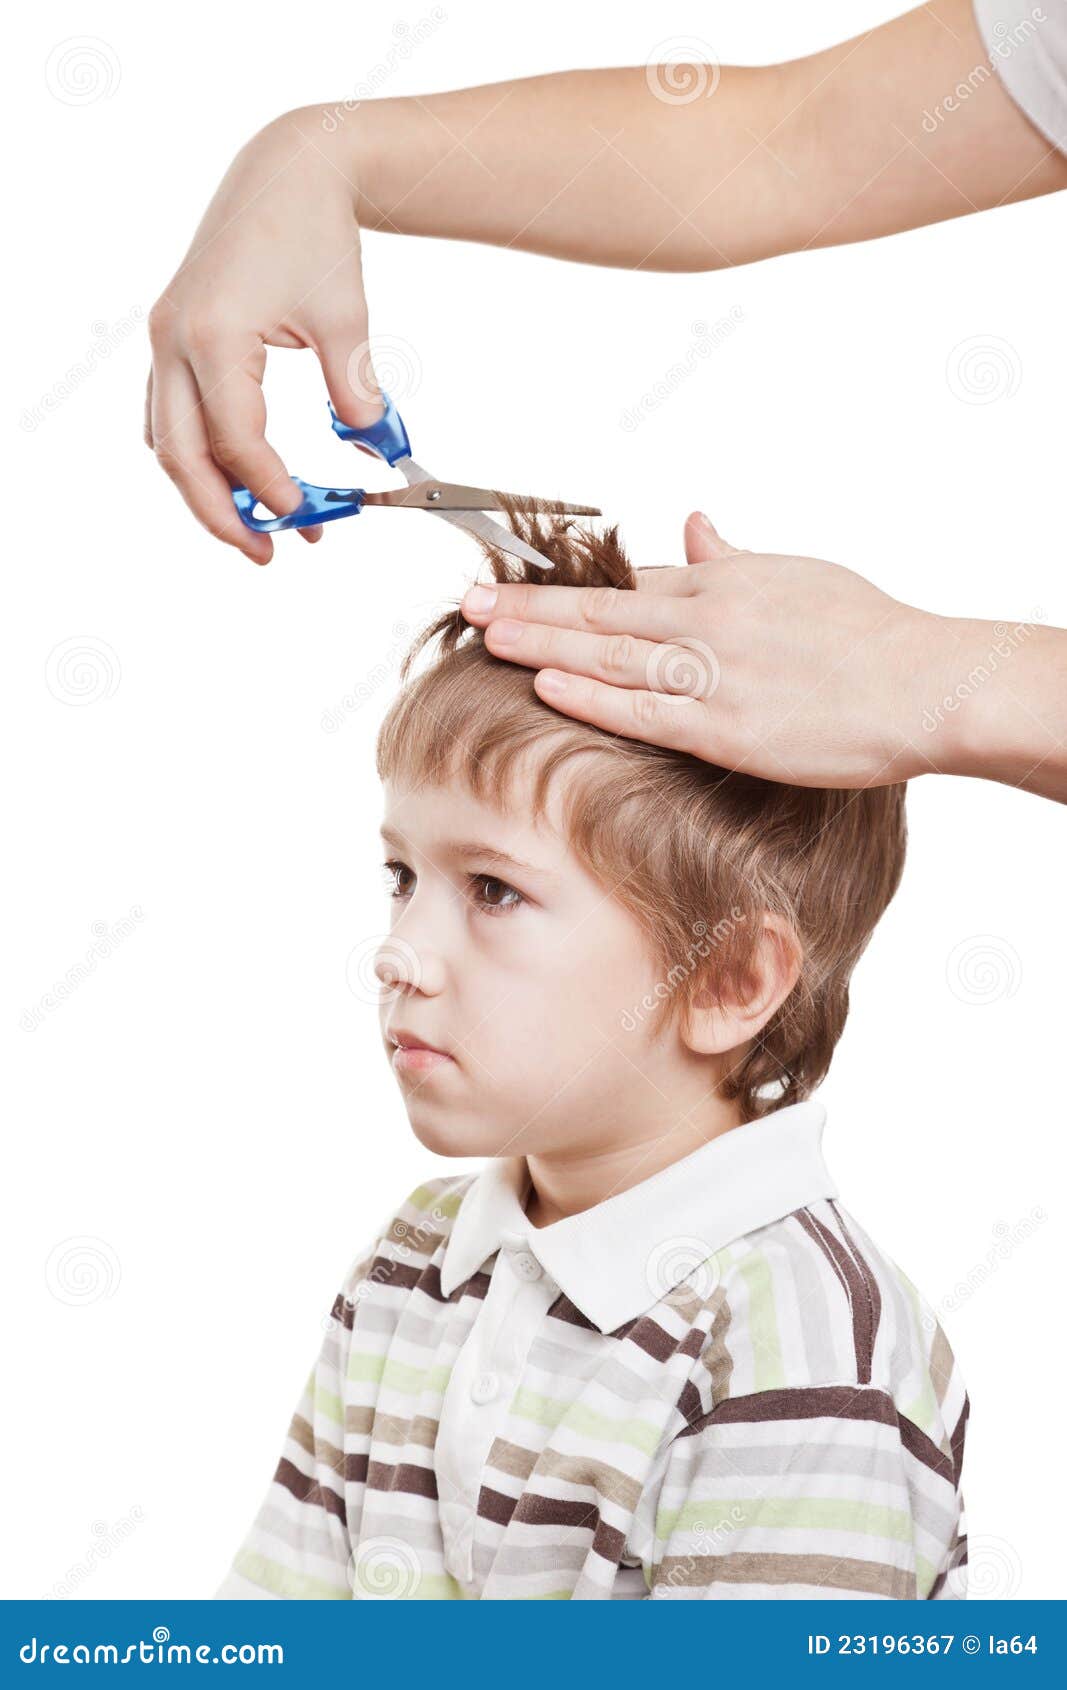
pixel 646 709
pixel 521 605
pixel 618 653
pixel 597 604
pixel 226 450
pixel 219 526
pixel 161 323
pixel 169 461
pixel 200 331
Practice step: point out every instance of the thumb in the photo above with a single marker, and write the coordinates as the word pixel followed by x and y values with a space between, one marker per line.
pixel 702 543
pixel 350 379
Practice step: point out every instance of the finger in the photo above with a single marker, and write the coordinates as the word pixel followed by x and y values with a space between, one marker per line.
pixel 680 724
pixel 702 543
pixel 353 387
pixel 235 418
pixel 181 447
pixel 343 350
pixel 149 442
pixel 665 578
pixel 683 666
pixel 601 610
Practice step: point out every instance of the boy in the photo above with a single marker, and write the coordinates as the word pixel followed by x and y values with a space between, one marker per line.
pixel 644 1352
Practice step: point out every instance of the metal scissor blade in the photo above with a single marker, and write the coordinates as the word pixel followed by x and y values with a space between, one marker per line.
pixel 474 521
pixel 450 496
pixel 502 538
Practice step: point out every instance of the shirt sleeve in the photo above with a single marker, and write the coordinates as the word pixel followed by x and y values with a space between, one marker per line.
pixel 821 1491
pixel 298 1544
pixel 1027 45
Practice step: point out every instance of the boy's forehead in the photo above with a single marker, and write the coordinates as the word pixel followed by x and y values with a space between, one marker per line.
pixel 440 817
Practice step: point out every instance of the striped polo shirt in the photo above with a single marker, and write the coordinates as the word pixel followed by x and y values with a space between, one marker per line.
pixel 712 1384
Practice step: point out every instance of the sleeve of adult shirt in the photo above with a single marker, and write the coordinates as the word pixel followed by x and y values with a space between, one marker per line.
pixel 298 1544
pixel 1027 45
pixel 820 1491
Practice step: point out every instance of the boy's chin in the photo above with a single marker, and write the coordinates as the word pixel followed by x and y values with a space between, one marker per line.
pixel 450 1136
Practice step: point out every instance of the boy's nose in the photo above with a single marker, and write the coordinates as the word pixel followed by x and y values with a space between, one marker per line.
pixel 401 966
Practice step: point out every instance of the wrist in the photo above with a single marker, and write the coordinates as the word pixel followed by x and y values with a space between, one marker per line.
pixel 338 137
pixel 381 146
pixel 976 723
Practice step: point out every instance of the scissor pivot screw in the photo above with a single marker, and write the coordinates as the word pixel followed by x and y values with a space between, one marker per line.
pixel 433 495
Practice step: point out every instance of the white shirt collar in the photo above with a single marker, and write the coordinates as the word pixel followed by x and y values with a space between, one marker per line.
pixel 617 1259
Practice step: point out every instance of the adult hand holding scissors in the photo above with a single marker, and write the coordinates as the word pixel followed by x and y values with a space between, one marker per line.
pixel 275 262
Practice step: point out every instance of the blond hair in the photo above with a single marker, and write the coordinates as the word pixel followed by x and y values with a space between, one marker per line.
pixel 695 853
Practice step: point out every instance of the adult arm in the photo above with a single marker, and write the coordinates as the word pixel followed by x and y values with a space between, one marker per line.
pixel 695 168
pixel 648 167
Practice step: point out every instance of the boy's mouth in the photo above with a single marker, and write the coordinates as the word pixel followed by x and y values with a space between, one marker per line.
pixel 410 1054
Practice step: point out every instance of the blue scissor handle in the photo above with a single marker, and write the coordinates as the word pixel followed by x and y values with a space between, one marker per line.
pixel 320 504
pixel 387 439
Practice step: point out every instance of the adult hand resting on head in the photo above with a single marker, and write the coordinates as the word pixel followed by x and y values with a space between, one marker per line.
pixel 792 669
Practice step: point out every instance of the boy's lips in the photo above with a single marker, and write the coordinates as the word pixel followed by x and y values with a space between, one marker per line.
pixel 410 1054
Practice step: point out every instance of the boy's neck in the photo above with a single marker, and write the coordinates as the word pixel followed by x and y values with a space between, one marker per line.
pixel 567 1183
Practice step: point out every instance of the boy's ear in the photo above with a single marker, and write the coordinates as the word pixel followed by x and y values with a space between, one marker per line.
pixel 714 1027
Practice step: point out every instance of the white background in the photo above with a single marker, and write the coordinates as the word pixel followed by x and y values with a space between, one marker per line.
pixel 210 1111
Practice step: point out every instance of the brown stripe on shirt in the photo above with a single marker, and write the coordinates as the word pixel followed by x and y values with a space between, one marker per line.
pixel 855 1289
pixel 308 1490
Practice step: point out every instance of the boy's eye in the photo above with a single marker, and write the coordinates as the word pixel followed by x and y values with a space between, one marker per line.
pixel 496 896
pixel 493 896
pixel 392 872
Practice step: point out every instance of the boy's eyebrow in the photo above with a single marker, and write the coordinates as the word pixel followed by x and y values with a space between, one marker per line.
pixel 471 848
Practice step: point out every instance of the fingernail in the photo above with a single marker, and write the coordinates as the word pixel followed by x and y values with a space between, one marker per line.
pixel 505 633
pixel 554 685
pixel 479 599
pixel 705 523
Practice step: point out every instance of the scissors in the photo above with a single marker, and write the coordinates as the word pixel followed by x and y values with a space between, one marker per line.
pixel 388 439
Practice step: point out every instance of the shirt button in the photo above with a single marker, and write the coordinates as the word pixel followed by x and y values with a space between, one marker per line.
pixel 484 1387
pixel 525 1265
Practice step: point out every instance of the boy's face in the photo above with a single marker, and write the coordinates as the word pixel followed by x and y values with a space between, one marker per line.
pixel 527 978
